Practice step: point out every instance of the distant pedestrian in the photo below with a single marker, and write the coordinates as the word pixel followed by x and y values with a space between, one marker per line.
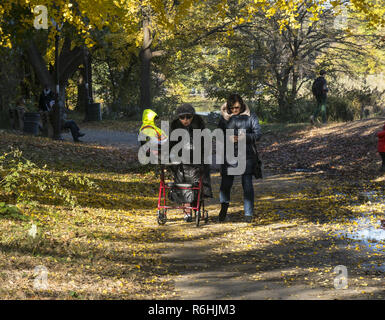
pixel 381 147
pixel 320 90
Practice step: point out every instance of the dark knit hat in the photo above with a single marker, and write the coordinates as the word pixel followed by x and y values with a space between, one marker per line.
pixel 185 108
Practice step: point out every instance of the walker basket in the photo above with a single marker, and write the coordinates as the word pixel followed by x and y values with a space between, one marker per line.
pixel 179 193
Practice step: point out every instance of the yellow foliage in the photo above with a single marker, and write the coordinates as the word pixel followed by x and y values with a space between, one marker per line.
pixel 166 17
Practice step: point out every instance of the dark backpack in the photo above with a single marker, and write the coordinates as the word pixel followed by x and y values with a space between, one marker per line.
pixel 317 87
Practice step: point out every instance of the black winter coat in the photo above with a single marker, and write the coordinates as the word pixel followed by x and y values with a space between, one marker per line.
pixel 45 100
pixel 248 121
pixel 320 89
pixel 190 173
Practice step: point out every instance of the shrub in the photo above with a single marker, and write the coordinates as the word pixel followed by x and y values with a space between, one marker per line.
pixel 301 109
pixel 265 110
pixel 21 180
pixel 11 211
pixel 165 105
pixel 351 105
pixel 340 109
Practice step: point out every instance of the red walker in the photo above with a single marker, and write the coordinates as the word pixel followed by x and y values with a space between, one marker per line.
pixel 199 209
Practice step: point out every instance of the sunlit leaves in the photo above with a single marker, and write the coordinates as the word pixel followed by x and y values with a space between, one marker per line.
pixel 126 15
pixel 22 180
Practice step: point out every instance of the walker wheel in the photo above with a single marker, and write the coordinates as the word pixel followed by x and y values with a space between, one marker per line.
pixel 162 217
pixel 206 216
pixel 198 218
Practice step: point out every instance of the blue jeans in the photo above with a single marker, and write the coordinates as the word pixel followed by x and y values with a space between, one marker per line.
pixel 248 191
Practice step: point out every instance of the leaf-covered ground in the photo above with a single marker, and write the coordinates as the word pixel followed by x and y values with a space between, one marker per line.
pixel 110 246
pixel 338 148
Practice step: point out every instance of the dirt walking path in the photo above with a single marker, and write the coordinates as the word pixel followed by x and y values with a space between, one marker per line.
pixel 290 251
pixel 287 255
pixel 106 137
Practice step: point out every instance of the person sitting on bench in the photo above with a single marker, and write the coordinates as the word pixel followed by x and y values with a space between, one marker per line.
pixel 71 124
pixel 47 101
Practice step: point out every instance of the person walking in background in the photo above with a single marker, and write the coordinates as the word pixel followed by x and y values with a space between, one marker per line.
pixel 235 114
pixel 320 90
pixel 381 147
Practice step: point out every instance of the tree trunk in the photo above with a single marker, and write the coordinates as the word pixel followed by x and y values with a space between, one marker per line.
pixel 145 81
pixel 294 84
pixel 82 92
pixel 284 107
pixel 89 77
pixel 145 57
pixel 62 94
pixel 69 61
pixel 39 65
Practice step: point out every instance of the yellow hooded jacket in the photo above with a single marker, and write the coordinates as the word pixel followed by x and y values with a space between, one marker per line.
pixel 149 128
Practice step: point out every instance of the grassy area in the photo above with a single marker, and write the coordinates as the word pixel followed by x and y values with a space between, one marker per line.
pixel 109 246
pixel 100 248
pixel 284 128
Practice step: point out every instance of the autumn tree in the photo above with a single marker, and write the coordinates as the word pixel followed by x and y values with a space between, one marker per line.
pixel 258 54
pixel 148 25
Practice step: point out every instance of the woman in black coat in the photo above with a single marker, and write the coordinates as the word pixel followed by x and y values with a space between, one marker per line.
pixel 236 115
pixel 190 173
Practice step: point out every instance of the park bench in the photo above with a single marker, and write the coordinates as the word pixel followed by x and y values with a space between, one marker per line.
pixel 16 116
